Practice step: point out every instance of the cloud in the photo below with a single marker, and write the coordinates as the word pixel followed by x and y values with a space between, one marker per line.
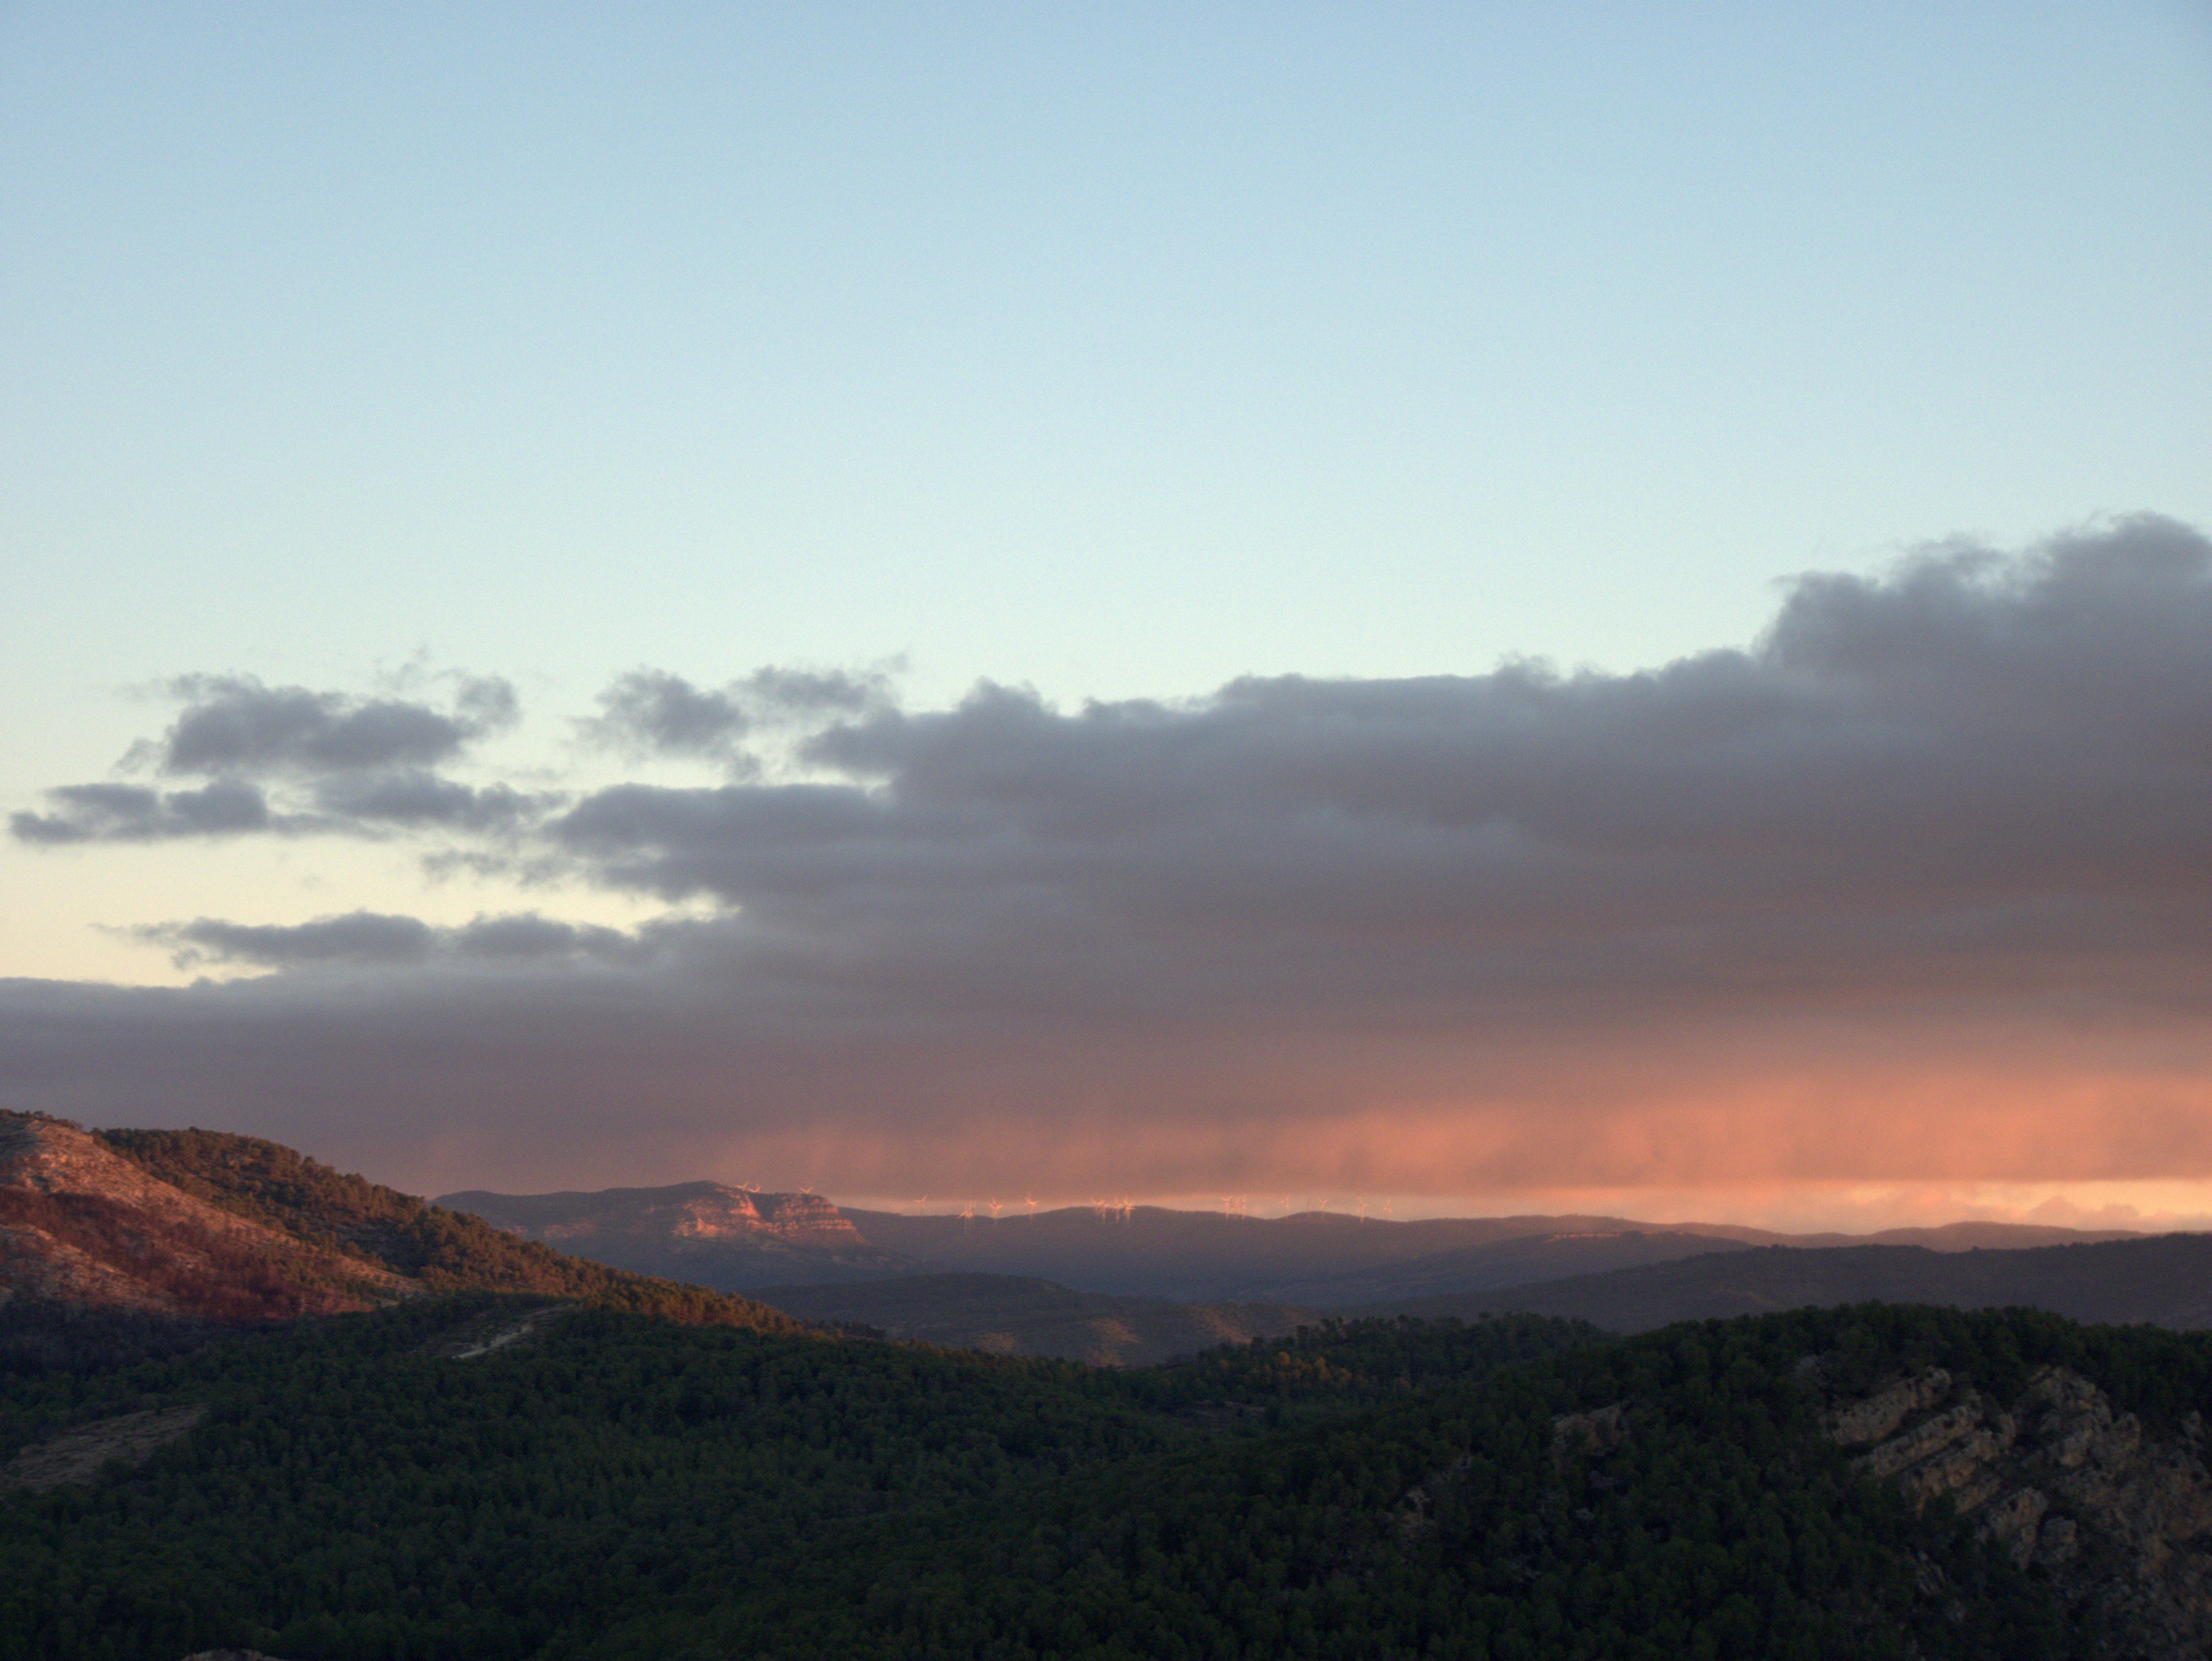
pixel 362 804
pixel 356 937
pixel 341 764
pixel 373 938
pixel 1914 887
pixel 1976 775
pixel 525 936
pixel 652 712
pixel 414 798
pixel 131 813
pixel 234 725
pixel 777 695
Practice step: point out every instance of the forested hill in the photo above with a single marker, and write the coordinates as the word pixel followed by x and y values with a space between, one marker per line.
pixel 439 1249
pixel 1872 1482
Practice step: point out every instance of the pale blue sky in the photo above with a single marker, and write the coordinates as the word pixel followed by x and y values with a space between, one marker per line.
pixel 1114 349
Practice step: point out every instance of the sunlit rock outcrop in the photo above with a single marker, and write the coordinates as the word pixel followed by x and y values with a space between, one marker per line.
pixel 708 1232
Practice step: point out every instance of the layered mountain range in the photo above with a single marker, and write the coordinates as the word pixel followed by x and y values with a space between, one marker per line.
pixel 738 1240
pixel 1326 1260
pixel 150 1238
pixel 1130 1284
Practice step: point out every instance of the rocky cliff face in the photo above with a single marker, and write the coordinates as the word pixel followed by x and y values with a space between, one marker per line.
pixel 2118 1515
pixel 704 1231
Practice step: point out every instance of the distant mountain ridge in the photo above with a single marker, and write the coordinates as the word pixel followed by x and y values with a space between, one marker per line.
pixel 1328 1259
pixel 708 1233
pixel 2163 1280
pixel 2160 1280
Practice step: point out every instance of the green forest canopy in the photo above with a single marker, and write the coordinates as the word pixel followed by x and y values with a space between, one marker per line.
pixel 623 1485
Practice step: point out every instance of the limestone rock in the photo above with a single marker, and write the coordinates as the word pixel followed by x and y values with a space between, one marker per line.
pixel 1876 1417
pixel 2015 1522
pixel 1599 1431
pixel 1924 1438
pixel 2119 1517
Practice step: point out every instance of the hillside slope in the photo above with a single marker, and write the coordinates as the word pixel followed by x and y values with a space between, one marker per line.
pixel 135 1241
pixel 95 1250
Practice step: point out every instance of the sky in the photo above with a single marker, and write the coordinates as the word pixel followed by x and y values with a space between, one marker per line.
pixel 1463 607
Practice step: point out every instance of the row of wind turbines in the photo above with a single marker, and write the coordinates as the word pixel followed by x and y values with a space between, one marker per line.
pixel 1232 1205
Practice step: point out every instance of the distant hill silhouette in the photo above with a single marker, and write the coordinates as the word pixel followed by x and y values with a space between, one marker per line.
pixel 1211 1256
pixel 1011 1315
pixel 1327 1258
pixel 1504 1263
pixel 2164 1280
pixel 738 1240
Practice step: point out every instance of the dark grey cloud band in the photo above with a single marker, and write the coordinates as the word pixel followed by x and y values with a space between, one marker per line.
pixel 1919 883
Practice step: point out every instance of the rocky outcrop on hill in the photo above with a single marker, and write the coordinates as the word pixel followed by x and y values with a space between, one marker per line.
pixel 706 1232
pixel 2116 1514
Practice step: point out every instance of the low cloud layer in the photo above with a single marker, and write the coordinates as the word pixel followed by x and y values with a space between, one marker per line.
pixel 1919 886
